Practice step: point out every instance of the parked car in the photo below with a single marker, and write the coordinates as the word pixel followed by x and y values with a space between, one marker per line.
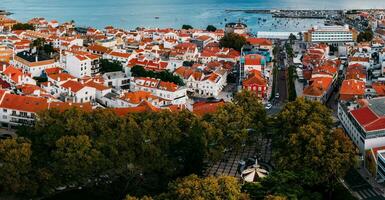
pixel 268 106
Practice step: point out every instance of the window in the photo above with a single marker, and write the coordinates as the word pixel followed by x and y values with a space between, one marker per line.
pixel 23 114
pixel 4 110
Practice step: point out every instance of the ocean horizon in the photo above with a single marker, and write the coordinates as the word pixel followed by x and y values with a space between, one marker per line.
pixel 129 14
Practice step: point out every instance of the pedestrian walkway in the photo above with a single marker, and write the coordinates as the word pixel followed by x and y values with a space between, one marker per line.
pixel 369 194
pixel 361 188
pixel 228 165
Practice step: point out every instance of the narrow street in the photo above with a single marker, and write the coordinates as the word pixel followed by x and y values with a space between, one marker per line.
pixel 281 85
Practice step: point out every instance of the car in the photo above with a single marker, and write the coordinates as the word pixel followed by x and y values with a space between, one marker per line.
pixel 277 95
pixel 268 106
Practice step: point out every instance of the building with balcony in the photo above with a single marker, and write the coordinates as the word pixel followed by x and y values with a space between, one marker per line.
pixel 16 110
pixel 331 34
pixel 165 90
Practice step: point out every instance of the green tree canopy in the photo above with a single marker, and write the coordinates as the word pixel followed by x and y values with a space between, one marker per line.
pixel 110 66
pixel 139 71
pixel 365 36
pixel 233 40
pixel 307 145
pixel 272 197
pixel 210 188
pixel 211 28
pixel 187 27
pixel 128 197
pixel 15 166
pixel 292 37
pixel 252 104
pixel 73 146
pixel 76 159
pixel 22 26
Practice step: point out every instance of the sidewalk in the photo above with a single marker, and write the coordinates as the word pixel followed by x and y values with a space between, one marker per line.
pixel 376 186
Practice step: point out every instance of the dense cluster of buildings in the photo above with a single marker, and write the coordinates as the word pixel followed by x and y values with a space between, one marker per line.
pixel 338 70
pixel 60 65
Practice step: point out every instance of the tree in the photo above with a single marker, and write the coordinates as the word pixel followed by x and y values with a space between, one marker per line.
pixel 254 190
pixel 139 71
pixel 188 63
pixel 128 197
pixel 285 184
pixel 292 37
pixel 292 93
pixel 15 166
pixel 233 40
pixel 48 48
pixel 210 188
pixel 211 28
pixel 272 197
pixel 251 104
pixel 297 113
pixel 21 26
pixel 365 36
pixel 300 35
pixel 38 44
pixel 76 159
pixel 108 66
pixel 309 147
pixel 187 27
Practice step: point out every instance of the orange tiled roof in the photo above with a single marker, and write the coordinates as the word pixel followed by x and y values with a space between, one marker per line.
pixel 138 96
pixel 379 88
pixel 255 77
pixel 13 73
pixel 253 59
pixel 203 108
pixel 143 107
pixel 259 41
pixel 350 88
pixel 318 86
pixel 97 86
pixel 28 89
pixel 73 85
pixel 61 76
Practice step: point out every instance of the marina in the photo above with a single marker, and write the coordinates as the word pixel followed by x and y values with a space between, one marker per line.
pixel 302 13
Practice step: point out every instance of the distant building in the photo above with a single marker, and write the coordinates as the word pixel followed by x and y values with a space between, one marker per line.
pixel 331 34
pixel 238 28
pixel 277 35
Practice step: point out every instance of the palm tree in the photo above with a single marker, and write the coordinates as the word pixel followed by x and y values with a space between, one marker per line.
pixel 38 44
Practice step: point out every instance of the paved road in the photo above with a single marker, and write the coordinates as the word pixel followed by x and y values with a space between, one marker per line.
pixel 282 85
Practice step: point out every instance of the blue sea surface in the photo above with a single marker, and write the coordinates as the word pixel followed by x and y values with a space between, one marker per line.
pixel 174 13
